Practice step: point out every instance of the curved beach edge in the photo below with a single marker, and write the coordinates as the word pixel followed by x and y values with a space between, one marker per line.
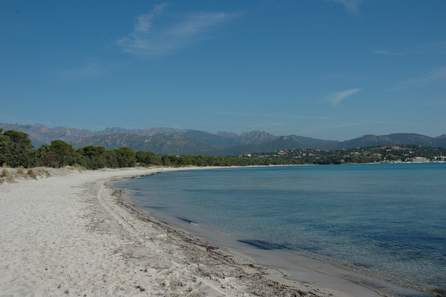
pixel 261 279
pixel 217 271
pixel 73 234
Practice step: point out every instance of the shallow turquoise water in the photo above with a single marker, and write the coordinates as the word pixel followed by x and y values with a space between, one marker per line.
pixel 388 218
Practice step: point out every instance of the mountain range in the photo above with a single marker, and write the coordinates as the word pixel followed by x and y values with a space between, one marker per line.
pixel 184 141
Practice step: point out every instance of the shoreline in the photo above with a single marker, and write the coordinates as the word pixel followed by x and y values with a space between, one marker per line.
pixel 74 235
pixel 255 279
pixel 283 272
pixel 67 236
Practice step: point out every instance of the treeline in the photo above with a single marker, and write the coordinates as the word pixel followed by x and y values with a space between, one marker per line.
pixel 16 150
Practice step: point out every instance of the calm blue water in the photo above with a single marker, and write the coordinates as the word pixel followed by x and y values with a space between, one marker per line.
pixel 388 218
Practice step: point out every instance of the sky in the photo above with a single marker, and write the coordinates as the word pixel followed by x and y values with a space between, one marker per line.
pixel 333 69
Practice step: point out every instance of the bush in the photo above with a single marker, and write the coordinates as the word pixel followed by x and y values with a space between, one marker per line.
pixel 31 174
pixel 20 171
pixel 4 173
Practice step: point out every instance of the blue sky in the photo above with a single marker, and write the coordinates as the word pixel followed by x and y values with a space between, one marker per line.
pixel 323 68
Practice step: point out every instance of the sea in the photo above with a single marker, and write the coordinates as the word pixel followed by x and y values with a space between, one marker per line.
pixel 387 220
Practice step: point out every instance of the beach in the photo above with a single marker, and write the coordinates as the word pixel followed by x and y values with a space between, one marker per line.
pixel 74 235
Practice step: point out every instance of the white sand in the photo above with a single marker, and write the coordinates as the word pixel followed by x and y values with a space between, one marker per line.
pixel 69 236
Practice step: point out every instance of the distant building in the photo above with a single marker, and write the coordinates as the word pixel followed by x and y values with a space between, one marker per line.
pixel 420 160
pixel 282 153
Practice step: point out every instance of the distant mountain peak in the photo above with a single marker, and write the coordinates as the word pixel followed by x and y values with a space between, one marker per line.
pixel 256 137
pixel 188 141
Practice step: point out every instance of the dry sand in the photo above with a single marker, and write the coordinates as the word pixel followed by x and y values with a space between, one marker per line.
pixel 72 235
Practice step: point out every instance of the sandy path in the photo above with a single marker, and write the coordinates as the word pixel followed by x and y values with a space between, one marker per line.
pixel 48 247
pixel 71 236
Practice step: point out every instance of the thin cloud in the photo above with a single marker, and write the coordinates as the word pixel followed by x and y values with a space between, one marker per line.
pixel 351 6
pixel 150 40
pixel 144 23
pixel 339 97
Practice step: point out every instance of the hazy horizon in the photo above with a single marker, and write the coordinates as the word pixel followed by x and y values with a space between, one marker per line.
pixel 217 132
pixel 328 69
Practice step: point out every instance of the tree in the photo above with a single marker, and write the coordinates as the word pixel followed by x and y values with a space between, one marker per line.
pixel 16 149
pixel 58 154
pixel 5 149
pixel 125 157
pixel 147 158
pixel 18 137
pixel 94 157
